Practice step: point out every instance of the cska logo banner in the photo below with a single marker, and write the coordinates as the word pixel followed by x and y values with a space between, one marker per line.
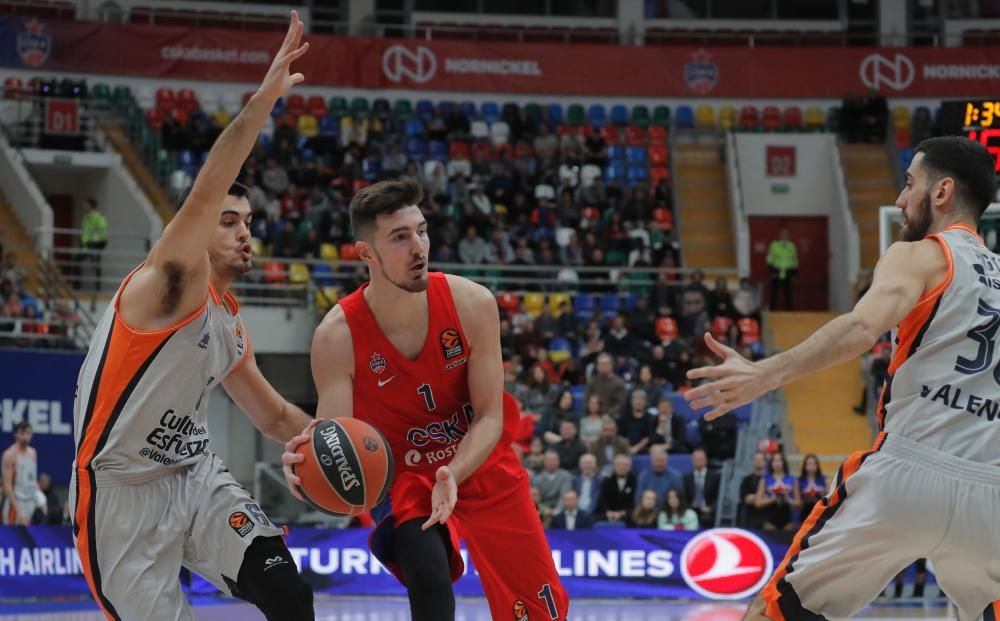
pixel 34 44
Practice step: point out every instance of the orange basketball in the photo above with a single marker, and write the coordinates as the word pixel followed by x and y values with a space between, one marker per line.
pixel 348 467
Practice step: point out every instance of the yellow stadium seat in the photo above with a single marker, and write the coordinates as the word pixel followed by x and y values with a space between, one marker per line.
pixel 307 126
pixel 555 302
pixel 901 117
pixel 298 274
pixel 256 247
pixel 328 252
pixel 704 117
pixel 559 357
pixel 727 117
pixel 221 117
pixel 533 303
pixel 326 297
pixel 815 118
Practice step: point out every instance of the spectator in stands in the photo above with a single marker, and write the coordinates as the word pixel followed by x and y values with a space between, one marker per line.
pixel 646 382
pixel 746 302
pixel 922 125
pixel 13 274
pixel 608 386
pixel 783 266
pixel 286 241
pixel 555 414
pixel 618 341
pixel 93 238
pixel 636 425
pixel 546 145
pixel 499 250
pixel 542 395
pixel 532 460
pixel 659 477
pixel 393 160
pixel 718 437
pixel 51 511
pixel 274 178
pixel 720 300
pixel 552 481
pixel 701 487
pixel 544 511
pixel 642 319
pixel 571 517
pixel 874 117
pixel 546 323
pixel 812 484
pixel 609 445
pixel 572 252
pixel 457 124
pixel 587 484
pixel 646 513
pixel 693 314
pixel 777 494
pixel 472 249
pixel 669 428
pixel 749 515
pixel 592 420
pixel 11 301
pixel 255 194
pixel 459 166
pixel 569 447
pixel 567 324
pixel 617 492
pixel 676 514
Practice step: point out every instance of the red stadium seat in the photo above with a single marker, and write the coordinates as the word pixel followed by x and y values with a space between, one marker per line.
pixel 508 301
pixel 274 273
pixel 348 252
pixel 590 213
pixel 720 327
pixel 165 99
pixel 564 129
pixel 316 106
pixel 657 134
pixel 658 155
pixel 749 118
pixel 666 329
pixel 181 116
pixel 634 136
pixel 482 147
pixel 750 329
pixel 792 118
pixel 358 185
pixel 503 151
pixel 187 100
pixel 663 219
pixel 657 174
pixel 524 150
pixel 772 119
pixel 154 118
pixel 12 88
pixel 611 135
pixel 295 104
pixel 457 148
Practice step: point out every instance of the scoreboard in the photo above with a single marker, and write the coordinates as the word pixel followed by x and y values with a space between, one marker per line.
pixel 979 119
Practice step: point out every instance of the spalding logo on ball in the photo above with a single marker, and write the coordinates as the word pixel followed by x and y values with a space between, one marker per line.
pixel 337 477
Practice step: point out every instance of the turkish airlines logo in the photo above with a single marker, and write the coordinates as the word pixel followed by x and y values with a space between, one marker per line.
pixel 726 563
pixel 399 61
pixel 878 71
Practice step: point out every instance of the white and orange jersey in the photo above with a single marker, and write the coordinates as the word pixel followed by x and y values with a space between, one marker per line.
pixel 24 479
pixel 944 379
pixel 142 395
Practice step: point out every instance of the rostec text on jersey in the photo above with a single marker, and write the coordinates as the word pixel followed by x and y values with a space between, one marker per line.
pixel 347 478
pixel 442 432
pixel 178 442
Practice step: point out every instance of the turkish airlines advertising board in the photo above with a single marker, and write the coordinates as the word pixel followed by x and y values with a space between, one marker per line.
pixel 553 69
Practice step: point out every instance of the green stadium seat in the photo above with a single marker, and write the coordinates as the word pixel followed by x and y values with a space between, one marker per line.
pixel 121 93
pixel 100 92
pixel 575 114
pixel 402 109
pixel 336 107
pixel 661 116
pixel 533 110
pixel 359 107
pixel 640 116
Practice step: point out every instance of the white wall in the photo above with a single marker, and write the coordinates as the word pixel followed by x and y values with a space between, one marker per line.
pixel 815 190
pixel 24 196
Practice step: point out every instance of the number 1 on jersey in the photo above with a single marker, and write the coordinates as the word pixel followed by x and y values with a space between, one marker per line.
pixel 425 390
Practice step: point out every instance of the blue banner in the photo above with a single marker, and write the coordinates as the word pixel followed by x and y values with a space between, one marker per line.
pixel 40 387
pixel 715 564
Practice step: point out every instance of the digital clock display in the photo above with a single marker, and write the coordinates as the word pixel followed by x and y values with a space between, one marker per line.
pixel 978 119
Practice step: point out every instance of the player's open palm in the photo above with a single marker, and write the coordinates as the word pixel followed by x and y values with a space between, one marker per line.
pixel 735 382
pixel 443 497
pixel 279 79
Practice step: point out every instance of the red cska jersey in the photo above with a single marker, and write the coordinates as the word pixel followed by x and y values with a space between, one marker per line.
pixel 421 406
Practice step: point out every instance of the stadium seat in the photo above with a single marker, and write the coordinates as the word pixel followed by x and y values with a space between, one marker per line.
pixel 663 219
pixel 833 119
pixel 298 274
pixel 666 329
pixel 424 109
pixel 328 252
pixel 165 99
pixel 414 127
pixel 560 350
pixel 509 302
pixel 578 390
pixel 437 150
pixel 903 138
pixel 274 273
pixel 721 325
pixel 533 303
pixel 468 108
pixel 584 306
pixel 155 118
pixel 640 116
pixel 348 252
pixel 371 168
pixel 749 118
pixel 637 175
pixel 658 155
pixel 614 173
pixel 815 118
pixel 480 130
pixel 611 304
pixel 489 112
pixel 307 126
pixel 256 247
pixel 704 117
pixel 657 134
pixel 295 104
pixel 381 108
pixel 771 119
pixel 616 153
pixel 635 155
pixel 661 116
pixel 187 100
pixel 555 302
pixel 336 107
pixel 588 174
pixel 316 106
pixel 901 117
pixel 575 114
pixel 750 329
pixel 657 174
pixel 792 118
pixel 509 111
pixel 611 134
pixel 326 297
pixel 619 115
pixel 727 118
pixel 499 132
pixel 402 109
pixel 329 127
pixel 684 118
pixel 359 107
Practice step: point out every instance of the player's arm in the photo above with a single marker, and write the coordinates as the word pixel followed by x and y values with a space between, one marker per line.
pixel 174 278
pixel 902 275
pixel 269 412
pixel 481 322
pixel 332 361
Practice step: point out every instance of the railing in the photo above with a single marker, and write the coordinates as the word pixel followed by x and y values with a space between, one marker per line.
pixel 25 117
pixel 764 424
pixel 741 230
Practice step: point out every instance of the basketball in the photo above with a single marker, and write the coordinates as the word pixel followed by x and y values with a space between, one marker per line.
pixel 347 468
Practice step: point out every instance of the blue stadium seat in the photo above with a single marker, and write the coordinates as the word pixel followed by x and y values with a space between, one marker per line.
pixel 265 142
pixel 605 525
pixel 185 159
pixel 381 107
pixel 414 127
pixel 631 299
pixel 905 157
pixel 693 435
pixel 469 109
pixel 323 275
pixel 279 108
pixel 637 175
pixel 684 117
pixel 578 393
pixel 635 155
pixel 556 113
pixel 425 109
pixel 445 107
pixel 584 306
pixel 681 462
pixel 640 463
pixel 597 115
pixel 611 304
pixel 617 153
pixel 370 169
pixel 416 149
pixel 490 112
pixel 438 150
pixel 619 115
pixel 329 127
pixel 614 173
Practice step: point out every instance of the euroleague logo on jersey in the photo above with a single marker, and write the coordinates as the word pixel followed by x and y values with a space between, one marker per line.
pixel 726 563
pixel 451 343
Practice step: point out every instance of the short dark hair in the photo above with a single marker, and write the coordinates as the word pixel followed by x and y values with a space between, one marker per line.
pixel 22 426
pixel 968 163
pixel 92 202
pixel 237 189
pixel 384 197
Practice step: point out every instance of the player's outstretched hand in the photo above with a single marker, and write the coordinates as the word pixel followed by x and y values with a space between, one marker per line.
pixel 733 383
pixel 291 457
pixel 443 498
pixel 279 79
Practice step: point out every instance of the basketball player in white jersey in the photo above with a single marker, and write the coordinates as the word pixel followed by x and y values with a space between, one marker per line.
pixel 148 495
pixel 20 478
pixel 930 487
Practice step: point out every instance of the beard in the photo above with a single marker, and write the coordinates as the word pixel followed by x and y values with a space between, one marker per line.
pixel 917 227
pixel 407 284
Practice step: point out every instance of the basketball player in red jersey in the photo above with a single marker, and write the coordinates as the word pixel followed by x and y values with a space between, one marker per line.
pixel 417 356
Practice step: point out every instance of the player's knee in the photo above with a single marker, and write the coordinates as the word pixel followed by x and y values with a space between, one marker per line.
pixel 269 580
pixel 428 575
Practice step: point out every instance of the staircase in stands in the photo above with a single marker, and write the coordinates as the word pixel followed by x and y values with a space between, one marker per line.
pixel 703 206
pixel 871 184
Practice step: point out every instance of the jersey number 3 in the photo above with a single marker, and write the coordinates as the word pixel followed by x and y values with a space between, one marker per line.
pixel 985 336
